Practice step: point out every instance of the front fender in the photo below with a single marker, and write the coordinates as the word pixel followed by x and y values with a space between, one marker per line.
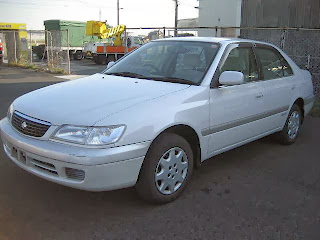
pixel 147 120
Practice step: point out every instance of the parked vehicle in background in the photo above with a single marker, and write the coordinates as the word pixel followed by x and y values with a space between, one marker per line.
pixel 118 45
pixel 58 31
pixel 1 52
pixel 156 114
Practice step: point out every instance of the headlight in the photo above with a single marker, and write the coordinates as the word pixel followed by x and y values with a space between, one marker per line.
pixel 93 136
pixel 10 112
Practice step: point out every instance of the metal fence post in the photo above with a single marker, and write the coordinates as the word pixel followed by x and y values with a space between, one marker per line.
pixel 309 60
pixel 283 39
pixel 164 32
pixel 68 50
pixel 15 46
pixel 51 48
pixel 47 46
pixel 126 40
pixel 30 47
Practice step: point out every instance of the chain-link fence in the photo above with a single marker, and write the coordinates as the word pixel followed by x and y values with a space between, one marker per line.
pixel 44 50
pixel 302 45
pixel 51 50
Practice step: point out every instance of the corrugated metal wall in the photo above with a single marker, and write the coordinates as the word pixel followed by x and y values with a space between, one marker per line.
pixel 281 13
pixel 303 46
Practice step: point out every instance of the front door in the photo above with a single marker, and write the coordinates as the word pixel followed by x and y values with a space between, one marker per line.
pixel 236 111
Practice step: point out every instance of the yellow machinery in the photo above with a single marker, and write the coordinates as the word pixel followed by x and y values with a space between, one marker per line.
pixel 102 52
pixel 99 29
pixel 116 32
pixel 96 28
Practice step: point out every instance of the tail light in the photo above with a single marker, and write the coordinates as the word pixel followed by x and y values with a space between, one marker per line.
pixel 0 47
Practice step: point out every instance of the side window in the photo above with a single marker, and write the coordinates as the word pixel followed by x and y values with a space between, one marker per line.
pixel 273 64
pixel 287 70
pixel 241 59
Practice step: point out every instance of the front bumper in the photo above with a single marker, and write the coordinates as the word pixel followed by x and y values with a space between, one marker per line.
pixel 78 167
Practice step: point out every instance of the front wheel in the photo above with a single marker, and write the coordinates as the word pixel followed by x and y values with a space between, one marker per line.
pixel 166 169
pixel 291 129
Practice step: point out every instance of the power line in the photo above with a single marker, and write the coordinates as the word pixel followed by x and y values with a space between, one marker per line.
pixel 55 5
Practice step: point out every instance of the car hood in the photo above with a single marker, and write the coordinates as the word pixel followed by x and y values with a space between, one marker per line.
pixel 86 101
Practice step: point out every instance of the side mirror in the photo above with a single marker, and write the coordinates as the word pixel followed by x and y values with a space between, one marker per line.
pixel 110 64
pixel 231 78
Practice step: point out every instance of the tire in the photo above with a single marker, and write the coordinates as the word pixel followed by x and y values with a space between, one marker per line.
pixel 111 58
pixel 95 59
pixel 292 127
pixel 77 55
pixel 102 59
pixel 176 172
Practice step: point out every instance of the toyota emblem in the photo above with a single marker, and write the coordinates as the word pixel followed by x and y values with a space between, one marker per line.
pixel 24 125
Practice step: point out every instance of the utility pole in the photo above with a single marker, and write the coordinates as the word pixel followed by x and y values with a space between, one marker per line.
pixel 100 14
pixel 118 9
pixel 176 18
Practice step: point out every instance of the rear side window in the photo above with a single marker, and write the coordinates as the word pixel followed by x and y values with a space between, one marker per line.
pixel 273 63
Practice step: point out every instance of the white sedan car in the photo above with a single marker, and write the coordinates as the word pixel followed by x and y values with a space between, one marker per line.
pixel 156 114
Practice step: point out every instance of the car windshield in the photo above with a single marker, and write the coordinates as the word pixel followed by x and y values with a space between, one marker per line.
pixel 170 61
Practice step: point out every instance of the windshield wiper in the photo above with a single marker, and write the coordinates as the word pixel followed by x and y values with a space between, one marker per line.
pixel 163 79
pixel 127 74
pixel 174 80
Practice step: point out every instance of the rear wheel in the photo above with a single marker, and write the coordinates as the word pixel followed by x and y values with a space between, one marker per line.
pixel 78 55
pixel 166 169
pixel 95 59
pixel 102 59
pixel 291 129
pixel 111 58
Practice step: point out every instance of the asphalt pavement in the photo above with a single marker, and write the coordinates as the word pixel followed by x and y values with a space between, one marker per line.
pixel 86 67
pixel 262 190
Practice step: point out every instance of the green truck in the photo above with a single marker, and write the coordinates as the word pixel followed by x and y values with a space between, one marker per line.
pixel 59 31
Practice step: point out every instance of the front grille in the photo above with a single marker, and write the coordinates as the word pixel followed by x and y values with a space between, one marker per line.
pixel 43 166
pixel 28 125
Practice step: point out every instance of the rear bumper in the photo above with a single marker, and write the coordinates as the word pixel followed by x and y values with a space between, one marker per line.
pixel 73 166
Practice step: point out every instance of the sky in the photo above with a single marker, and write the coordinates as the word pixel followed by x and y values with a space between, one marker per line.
pixel 138 13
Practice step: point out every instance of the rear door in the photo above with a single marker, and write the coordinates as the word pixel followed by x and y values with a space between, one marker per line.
pixel 278 82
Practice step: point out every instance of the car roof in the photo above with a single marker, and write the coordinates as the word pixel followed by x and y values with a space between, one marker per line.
pixel 195 39
pixel 212 40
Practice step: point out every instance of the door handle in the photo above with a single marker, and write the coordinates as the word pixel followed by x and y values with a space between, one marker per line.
pixel 293 87
pixel 259 96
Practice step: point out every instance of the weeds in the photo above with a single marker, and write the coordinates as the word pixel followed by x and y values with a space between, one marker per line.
pixel 315 111
pixel 50 69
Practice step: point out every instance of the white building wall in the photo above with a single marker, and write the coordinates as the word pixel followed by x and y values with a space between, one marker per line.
pixel 220 13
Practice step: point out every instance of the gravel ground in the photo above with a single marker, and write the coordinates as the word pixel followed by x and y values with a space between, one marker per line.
pixel 259 191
